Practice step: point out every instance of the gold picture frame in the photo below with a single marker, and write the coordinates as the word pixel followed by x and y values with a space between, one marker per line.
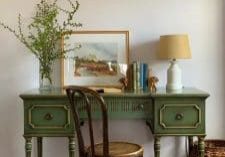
pixel 95 58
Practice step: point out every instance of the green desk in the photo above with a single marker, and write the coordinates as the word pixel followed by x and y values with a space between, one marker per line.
pixel 47 114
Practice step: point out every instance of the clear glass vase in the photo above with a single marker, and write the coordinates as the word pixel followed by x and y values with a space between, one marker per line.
pixel 45 82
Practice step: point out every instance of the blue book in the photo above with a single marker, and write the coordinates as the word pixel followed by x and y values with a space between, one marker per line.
pixel 142 76
pixel 145 76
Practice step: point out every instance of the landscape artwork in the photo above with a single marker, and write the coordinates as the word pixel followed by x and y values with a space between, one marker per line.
pixel 95 59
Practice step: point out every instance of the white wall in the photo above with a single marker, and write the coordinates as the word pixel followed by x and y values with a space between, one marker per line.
pixel 146 20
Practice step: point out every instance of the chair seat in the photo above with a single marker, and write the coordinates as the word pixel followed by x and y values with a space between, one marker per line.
pixel 120 149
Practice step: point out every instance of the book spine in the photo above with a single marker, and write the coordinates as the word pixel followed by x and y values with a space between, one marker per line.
pixel 134 65
pixel 142 75
pixel 138 76
pixel 145 76
pixel 130 77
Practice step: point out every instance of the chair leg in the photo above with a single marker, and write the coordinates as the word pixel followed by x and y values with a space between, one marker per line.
pixel 39 146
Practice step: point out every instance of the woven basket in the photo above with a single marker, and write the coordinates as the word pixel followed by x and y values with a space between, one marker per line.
pixel 213 148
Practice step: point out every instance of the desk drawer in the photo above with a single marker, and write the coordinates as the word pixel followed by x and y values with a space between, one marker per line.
pixel 48 117
pixel 180 116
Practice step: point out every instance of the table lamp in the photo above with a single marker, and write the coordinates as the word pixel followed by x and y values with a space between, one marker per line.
pixel 174 47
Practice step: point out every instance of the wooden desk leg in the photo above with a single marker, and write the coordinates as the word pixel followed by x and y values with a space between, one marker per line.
pixel 157 146
pixel 39 146
pixel 28 146
pixel 201 146
pixel 190 144
pixel 71 147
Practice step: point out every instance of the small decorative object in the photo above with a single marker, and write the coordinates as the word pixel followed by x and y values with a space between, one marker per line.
pixel 96 59
pixel 174 47
pixel 124 82
pixel 44 34
pixel 152 83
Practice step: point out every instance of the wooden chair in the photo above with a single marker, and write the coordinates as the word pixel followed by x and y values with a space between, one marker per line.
pixel 105 149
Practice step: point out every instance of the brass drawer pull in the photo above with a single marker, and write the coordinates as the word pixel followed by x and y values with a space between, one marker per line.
pixel 179 116
pixel 48 116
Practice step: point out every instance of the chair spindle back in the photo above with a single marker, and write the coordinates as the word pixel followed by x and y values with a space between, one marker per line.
pixel 73 94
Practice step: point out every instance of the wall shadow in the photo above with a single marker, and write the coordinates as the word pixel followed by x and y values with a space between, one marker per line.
pixel 145 52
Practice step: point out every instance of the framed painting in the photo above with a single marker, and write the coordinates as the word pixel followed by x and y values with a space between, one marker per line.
pixel 95 58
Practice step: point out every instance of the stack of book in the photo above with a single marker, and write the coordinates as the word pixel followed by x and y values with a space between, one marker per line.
pixel 138 76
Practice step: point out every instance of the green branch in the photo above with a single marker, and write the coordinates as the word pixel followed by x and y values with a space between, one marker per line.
pixel 44 32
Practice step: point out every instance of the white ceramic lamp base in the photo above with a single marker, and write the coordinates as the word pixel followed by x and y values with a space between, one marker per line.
pixel 174 77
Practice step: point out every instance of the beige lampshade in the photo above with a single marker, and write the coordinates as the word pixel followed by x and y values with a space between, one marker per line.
pixel 174 47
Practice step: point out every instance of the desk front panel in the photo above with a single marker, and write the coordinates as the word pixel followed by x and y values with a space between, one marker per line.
pixel 47 117
pixel 180 116
pixel 52 117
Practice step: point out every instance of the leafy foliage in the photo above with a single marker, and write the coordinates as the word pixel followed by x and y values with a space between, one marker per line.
pixel 45 32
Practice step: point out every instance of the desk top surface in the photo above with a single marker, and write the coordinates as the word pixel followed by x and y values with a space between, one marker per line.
pixel 161 92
